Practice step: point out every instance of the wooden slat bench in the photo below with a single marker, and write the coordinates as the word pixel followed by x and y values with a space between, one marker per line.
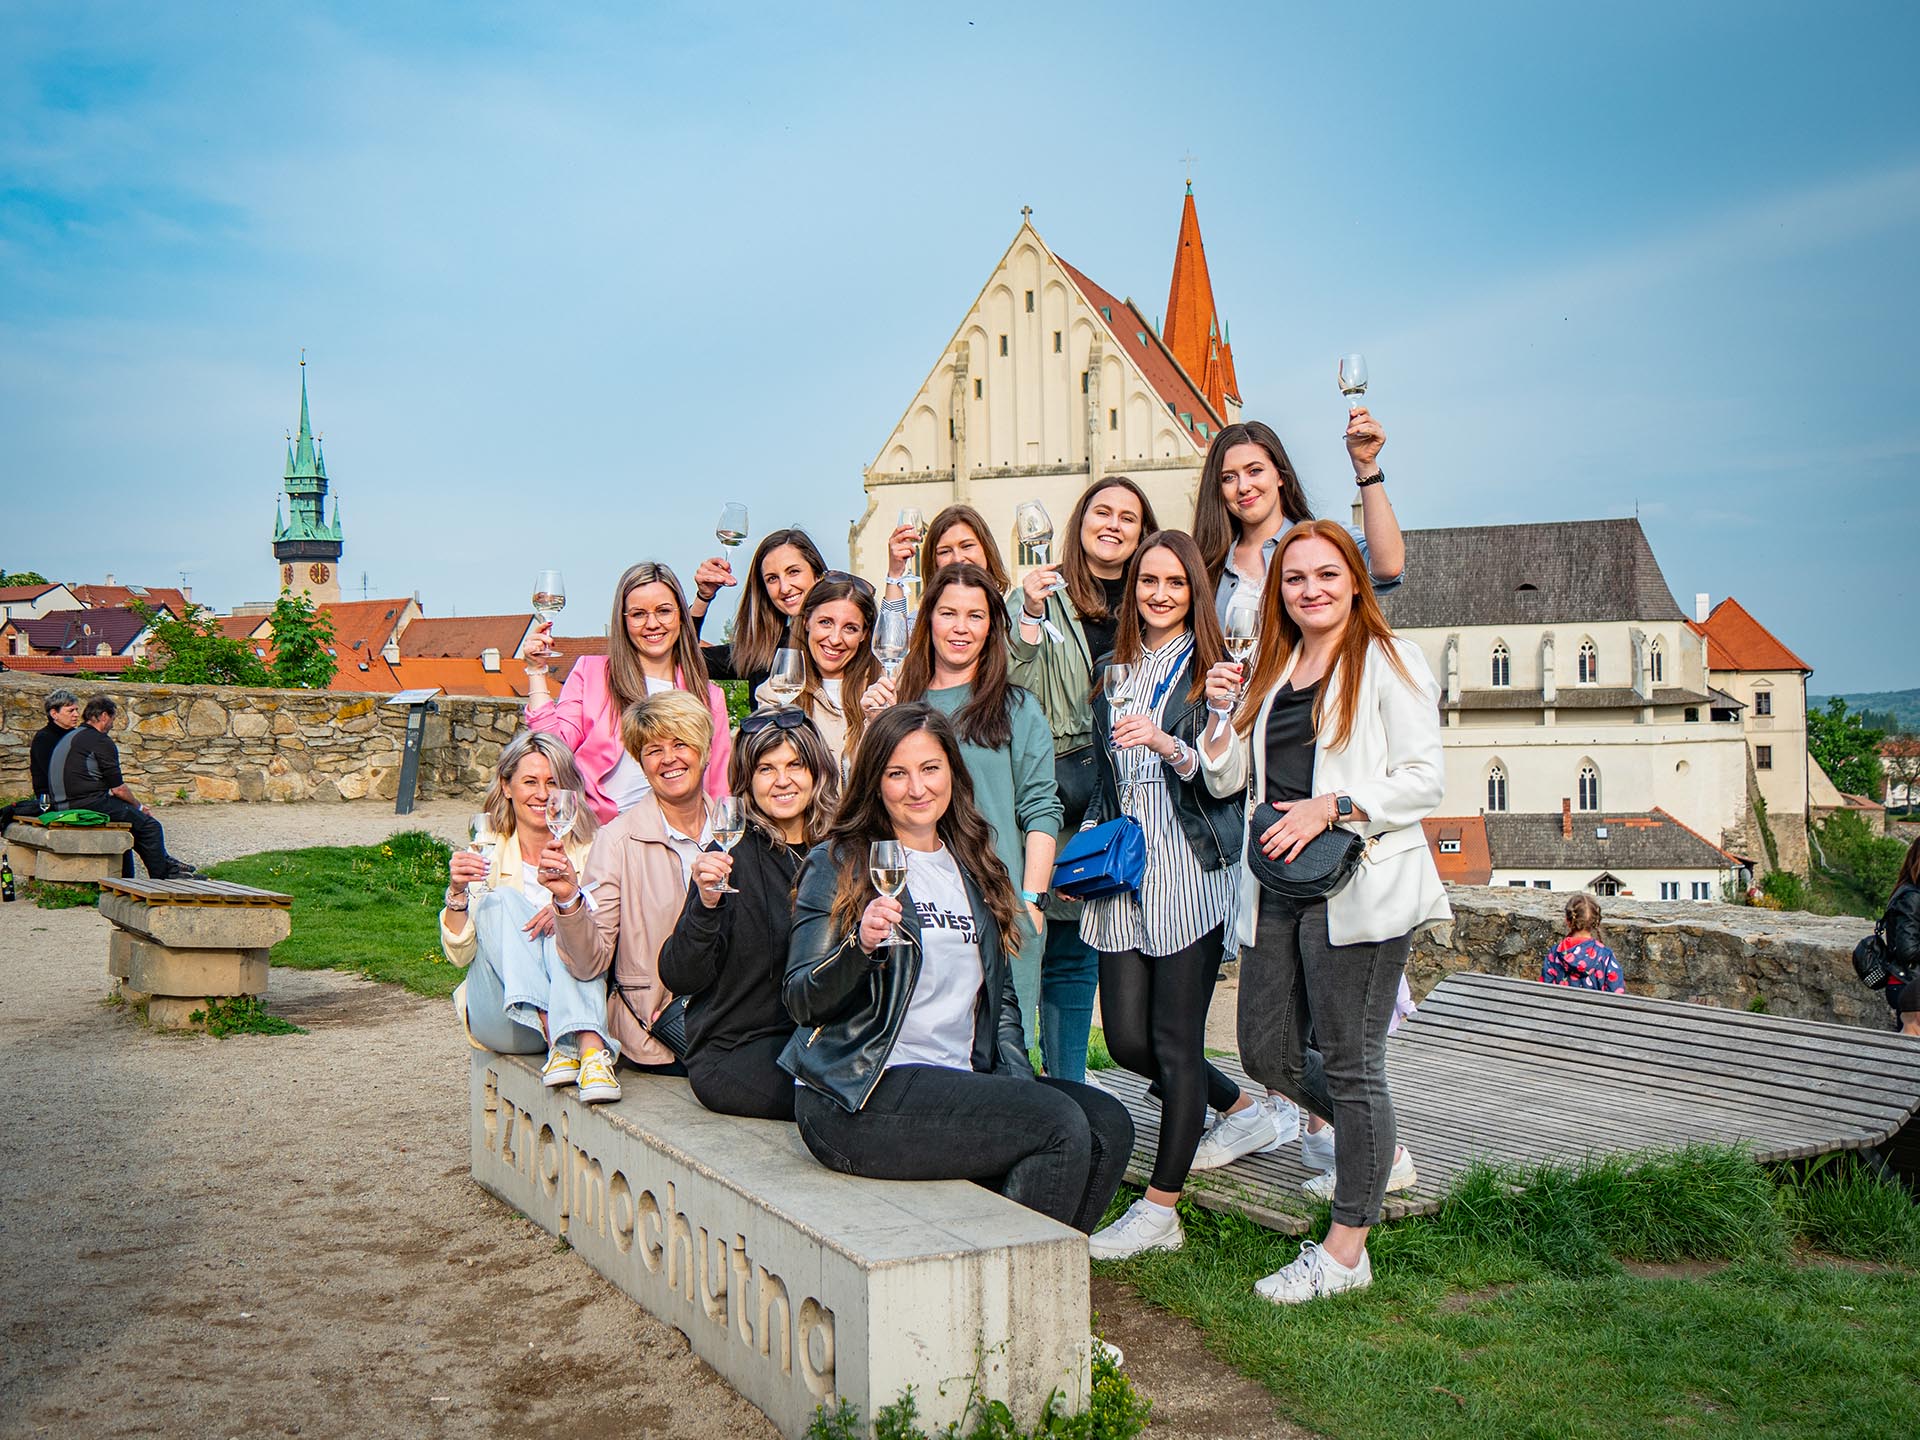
pixel 178 943
pixel 1516 1072
pixel 66 854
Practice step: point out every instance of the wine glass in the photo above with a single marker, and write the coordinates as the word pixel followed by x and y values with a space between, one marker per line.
pixel 1033 528
pixel 729 823
pixel 910 515
pixel 732 529
pixel 1353 379
pixel 1241 630
pixel 1116 683
pixel 549 599
pixel 481 840
pixel 787 678
pixel 563 808
pixel 887 863
pixel 890 640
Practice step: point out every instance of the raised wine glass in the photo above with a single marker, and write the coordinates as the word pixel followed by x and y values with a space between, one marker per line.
pixel 910 515
pixel 787 678
pixel 481 841
pixel 1353 380
pixel 1116 683
pixel 1241 630
pixel 549 599
pixel 729 824
pixel 563 808
pixel 890 641
pixel 732 529
pixel 887 863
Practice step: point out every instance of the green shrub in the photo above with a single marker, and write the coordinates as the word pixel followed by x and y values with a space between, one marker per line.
pixel 1785 887
pixel 1115 1411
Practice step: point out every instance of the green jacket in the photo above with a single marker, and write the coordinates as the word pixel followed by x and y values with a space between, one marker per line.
pixel 1060 674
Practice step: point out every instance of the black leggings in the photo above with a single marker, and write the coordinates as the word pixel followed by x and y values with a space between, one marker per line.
pixel 745 1080
pixel 1154 1010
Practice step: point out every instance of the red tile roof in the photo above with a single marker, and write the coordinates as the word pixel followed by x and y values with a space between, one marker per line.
pixel 14 594
pixel 1473 863
pixel 361 629
pixel 1194 332
pixel 241 627
pixel 82 631
pixel 464 636
pixel 461 676
pixel 104 596
pixel 1134 335
pixel 1737 641
pixel 105 665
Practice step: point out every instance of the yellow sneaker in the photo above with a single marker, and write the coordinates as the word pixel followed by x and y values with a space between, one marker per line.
pixel 596 1078
pixel 562 1068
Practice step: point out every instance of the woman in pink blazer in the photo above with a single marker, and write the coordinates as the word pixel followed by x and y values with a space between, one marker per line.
pixel 651 647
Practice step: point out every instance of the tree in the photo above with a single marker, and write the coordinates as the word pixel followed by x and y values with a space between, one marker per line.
pixel 1864 862
pixel 23 577
pixel 192 650
pixel 302 644
pixel 1901 761
pixel 1844 746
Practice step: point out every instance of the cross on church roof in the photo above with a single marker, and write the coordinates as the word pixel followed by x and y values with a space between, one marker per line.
pixel 1188 160
pixel 1026 212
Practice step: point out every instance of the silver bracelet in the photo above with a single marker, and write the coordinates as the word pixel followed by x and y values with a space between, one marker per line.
pixel 447 900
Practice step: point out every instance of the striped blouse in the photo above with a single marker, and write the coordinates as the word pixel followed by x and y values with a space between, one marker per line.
pixel 1177 902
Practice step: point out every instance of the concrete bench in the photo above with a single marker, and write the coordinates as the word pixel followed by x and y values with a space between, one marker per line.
pixel 800 1286
pixel 67 854
pixel 178 943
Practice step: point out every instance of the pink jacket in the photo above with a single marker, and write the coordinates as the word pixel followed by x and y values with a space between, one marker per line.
pixel 587 717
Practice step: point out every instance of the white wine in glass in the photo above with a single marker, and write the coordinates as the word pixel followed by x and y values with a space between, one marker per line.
pixel 563 808
pixel 729 824
pixel 910 516
pixel 481 841
pixel 549 599
pixel 787 678
pixel 887 864
pixel 1353 379
pixel 1242 634
pixel 890 641
pixel 732 529
pixel 1116 683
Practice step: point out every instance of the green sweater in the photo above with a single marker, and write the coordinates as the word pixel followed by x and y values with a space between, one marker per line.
pixel 1012 787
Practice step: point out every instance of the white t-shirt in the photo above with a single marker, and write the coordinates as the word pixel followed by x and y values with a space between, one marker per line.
pixel 938 1028
pixel 687 847
pixel 627 782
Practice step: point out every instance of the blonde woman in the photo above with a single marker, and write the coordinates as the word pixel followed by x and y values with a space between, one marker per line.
pixel 519 999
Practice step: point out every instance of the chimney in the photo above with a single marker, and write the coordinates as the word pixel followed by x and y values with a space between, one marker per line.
pixel 390 652
pixel 109 579
pixel 1566 818
pixel 186 593
pixel 490 660
pixel 1700 607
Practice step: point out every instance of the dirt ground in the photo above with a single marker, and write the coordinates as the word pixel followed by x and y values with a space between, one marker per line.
pixel 279 1236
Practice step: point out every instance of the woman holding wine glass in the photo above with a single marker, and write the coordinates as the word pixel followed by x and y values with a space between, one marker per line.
pixel 911 1058
pixel 728 951
pixel 957 663
pixel 1080 599
pixel 958 534
pixel 835 622
pixel 518 997
pixel 785 566
pixel 651 649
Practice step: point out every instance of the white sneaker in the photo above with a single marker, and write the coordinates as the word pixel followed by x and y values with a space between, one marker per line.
pixel 1286 1121
pixel 1144 1227
pixel 1401 1177
pixel 1316 1148
pixel 1234 1135
pixel 1314 1274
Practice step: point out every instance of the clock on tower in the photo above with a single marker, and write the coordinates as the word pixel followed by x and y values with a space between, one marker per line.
pixel 318 574
pixel 286 577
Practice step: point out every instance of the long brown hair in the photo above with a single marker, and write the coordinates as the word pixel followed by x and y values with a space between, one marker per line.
pixel 750 747
pixel 986 719
pixel 624 676
pixel 1209 648
pixel 971 518
pixel 1910 867
pixel 760 629
pixel 1083 586
pixel 1365 628
pixel 963 829
pixel 1214 528
pixel 860 671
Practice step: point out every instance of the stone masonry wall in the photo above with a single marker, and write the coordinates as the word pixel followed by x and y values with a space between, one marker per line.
pixel 1799 965
pixel 221 743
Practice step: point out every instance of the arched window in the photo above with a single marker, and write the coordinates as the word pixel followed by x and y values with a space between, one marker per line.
pixel 1497 787
pixel 1589 671
pixel 1502 665
pixel 1589 787
pixel 1657 663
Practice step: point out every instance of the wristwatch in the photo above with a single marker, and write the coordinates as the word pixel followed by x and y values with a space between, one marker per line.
pixel 1379 477
pixel 1033 897
pixel 1343 806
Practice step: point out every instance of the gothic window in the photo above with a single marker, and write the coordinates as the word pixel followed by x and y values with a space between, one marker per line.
pixel 1029 302
pixel 1589 787
pixel 1003 344
pixel 1589 664
pixel 1658 664
pixel 1056 342
pixel 1113 419
pixel 976 389
pixel 1502 666
pixel 1497 787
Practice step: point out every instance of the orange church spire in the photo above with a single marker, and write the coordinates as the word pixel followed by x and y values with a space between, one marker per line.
pixel 1194 333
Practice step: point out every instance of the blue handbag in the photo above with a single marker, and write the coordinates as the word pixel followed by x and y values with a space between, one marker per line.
pixel 1109 859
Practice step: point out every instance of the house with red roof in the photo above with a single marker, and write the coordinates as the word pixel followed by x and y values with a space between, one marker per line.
pixel 30 602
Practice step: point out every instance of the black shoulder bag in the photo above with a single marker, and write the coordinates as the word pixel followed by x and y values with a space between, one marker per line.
pixel 1324 865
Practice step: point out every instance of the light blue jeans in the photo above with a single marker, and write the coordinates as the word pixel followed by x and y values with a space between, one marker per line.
pixel 1069 979
pixel 515 979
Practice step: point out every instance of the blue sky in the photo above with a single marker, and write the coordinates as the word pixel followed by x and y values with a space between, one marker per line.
pixel 569 277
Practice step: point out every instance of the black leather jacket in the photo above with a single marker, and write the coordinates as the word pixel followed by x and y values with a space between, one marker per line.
pixel 849 1006
pixel 1902 927
pixel 1213 827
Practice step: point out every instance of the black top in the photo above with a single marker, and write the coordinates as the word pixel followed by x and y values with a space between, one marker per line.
pixel 1100 633
pixel 719 660
pixel 41 752
pixel 88 764
pixel 1290 744
pixel 730 961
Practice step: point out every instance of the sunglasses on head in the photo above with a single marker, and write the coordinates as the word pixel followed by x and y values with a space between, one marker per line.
pixel 865 587
pixel 782 719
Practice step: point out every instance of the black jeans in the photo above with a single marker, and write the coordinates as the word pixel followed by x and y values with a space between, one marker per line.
pixel 1155 1012
pixel 744 1080
pixel 1296 985
pixel 149 841
pixel 1050 1145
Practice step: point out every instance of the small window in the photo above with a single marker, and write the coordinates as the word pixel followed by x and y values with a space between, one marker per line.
pixel 1543 884
pixel 1141 336
pixel 1086 381
pixel 1113 419
pixel 1589 664
pixel 976 390
pixel 1702 890
pixel 1763 702
pixel 1763 757
pixel 1516 884
pixel 1186 419
pixel 1497 788
pixel 1606 885
pixel 1658 664
pixel 1669 889
pixel 953 430
pixel 1449 847
pixel 1589 788
pixel 1029 302
pixel 1106 313
pixel 1003 344
pixel 1502 667
pixel 1056 342
pixel 1693 714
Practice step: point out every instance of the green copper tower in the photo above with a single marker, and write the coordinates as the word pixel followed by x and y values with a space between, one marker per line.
pixel 307 547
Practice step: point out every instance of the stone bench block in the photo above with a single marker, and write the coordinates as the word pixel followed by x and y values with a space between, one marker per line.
pixel 60 869
pixel 156 970
pixel 165 1012
pixel 200 927
pixel 99 840
pixel 800 1286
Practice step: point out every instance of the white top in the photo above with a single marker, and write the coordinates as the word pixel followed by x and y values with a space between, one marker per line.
pixel 627 782
pixel 938 1028
pixel 687 847
pixel 531 887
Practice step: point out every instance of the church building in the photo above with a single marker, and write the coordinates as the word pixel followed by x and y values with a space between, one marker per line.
pixel 307 547
pixel 1051 382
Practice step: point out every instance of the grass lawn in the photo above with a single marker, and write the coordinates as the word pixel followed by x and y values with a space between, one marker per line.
pixel 1511 1312
pixel 372 910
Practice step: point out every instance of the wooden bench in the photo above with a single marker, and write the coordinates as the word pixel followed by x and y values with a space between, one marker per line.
pixel 1516 1072
pixel 178 943
pixel 66 854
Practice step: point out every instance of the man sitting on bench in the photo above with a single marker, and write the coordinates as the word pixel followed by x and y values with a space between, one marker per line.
pixel 83 773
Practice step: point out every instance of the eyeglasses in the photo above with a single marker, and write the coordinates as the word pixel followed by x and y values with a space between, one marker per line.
pixel 781 719
pixel 865 587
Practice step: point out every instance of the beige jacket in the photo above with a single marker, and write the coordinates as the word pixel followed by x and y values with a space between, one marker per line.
pixel 506 873
pixel 638 889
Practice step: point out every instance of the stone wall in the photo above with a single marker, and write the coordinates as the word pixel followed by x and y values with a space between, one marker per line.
pixel 221 743
pixel 1798 964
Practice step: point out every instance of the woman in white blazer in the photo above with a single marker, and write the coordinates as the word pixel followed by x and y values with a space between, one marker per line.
pixel 1340 725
